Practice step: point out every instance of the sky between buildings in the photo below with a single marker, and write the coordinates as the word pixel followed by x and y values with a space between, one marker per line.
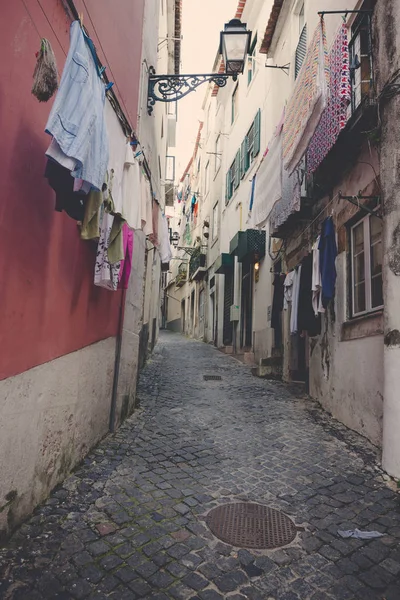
pixel 202 20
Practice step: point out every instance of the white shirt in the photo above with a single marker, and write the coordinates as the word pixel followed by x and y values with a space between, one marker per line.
pixel 316 284
pixel 288 289
pixel 295 300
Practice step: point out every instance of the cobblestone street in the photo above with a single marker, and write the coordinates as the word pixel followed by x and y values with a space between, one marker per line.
pixel 130 522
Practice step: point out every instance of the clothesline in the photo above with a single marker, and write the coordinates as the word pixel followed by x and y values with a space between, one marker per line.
pixel 124 122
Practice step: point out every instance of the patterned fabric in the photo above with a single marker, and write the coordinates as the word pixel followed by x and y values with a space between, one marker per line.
pixel 106 275
pixel 290 201
pixel 307 102
pixel 334 117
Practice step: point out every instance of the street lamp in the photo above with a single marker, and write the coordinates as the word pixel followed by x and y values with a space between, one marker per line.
pixel 234 46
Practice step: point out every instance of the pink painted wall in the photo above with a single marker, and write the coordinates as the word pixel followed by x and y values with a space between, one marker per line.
pixel 48 303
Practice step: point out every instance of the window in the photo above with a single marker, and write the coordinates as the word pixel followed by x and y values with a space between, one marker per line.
pixel 249 149
pixel 214 231
pixel 233 178
pixel 171 109
pixel 206 178
pixel 252 62
pixel 170 168
pixel 234 103
pixel 366 265
pixel 250 146
pixel 301 19
pixel 301 51
pixel 218 153
pixel 360 56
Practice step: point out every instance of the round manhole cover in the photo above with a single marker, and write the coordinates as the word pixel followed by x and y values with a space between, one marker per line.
pixel 248 525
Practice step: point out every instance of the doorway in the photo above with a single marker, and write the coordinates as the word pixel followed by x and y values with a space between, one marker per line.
pixel 201 314
pixel 246 320
pixel 183 316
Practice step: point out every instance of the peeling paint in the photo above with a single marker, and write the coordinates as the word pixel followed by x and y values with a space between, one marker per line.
pixel 392 338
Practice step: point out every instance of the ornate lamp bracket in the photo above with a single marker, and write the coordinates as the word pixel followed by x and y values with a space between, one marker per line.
pixel 170 88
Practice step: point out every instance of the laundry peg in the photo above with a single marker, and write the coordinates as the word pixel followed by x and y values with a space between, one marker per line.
pixel 80 15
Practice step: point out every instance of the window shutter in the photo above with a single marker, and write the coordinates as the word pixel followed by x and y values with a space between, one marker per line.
pixel 228 187
pixel 243 159
pixel 237 170
pixel 257 127
pixel 301 51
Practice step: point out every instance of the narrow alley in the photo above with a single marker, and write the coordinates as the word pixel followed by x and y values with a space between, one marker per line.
pixel 130 522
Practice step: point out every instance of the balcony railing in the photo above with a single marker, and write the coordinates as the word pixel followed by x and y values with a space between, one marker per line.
pixel 197 264
pixel 181 277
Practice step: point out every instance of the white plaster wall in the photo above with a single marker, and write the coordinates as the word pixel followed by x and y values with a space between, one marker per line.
pixel 346 377
pixel 50 416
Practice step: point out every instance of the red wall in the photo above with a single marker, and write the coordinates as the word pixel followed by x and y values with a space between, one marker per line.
pixel 48 303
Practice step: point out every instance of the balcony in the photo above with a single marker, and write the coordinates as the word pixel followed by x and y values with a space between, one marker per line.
pixel 197 265
pixel 248 246
pixel 181 278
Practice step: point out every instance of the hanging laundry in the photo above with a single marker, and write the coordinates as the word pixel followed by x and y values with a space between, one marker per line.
pixel 91 222
pixel 126 262
pixel 290 201
pixel 106 274
pixel 328 253
pixel 277 301
pixel 295 300
pixel 165 246
pixel 76 119
pixel 131 194
pixel 316 280
pixel 62 182
pixel 334 117
pixel 288 289
pixel 307 102
pixel 306 320
pixel 153 237
pixel 146 205
pixel 268 189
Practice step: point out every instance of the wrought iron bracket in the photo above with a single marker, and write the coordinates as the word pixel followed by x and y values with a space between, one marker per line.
pixel 170 88
pixel 284 68
pixel 356 201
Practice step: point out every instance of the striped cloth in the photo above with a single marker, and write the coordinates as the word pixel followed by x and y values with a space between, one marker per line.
pixel 334 117
pixel 307 102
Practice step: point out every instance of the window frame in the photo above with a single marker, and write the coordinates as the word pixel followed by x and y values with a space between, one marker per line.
pixel 234 103
pixel 252 61
pixel 369 309
pixel 214 231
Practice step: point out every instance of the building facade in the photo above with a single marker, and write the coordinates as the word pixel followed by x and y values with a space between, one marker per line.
pixel 71 351
pixel 301 149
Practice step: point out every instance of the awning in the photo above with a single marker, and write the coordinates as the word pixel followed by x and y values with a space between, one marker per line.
pixel 223 264
pixel 248 245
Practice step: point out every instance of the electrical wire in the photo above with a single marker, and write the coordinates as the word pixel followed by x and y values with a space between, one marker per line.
pixel 51 27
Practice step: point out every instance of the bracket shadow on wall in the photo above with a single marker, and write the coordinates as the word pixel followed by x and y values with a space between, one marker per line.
pixel 284 68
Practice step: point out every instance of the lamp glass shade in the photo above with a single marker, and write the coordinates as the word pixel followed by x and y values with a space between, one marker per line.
pixel 235 41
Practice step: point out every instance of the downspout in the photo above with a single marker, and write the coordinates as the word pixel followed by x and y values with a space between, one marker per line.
pixel 117 362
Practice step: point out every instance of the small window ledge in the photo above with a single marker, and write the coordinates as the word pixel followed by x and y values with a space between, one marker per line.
pixel 362 327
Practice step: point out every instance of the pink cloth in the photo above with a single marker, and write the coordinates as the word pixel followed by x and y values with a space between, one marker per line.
pixel 126 263
pixel 334 118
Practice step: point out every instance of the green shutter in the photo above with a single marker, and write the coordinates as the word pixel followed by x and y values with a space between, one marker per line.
pixel 257 127
pixel 243 159
pixel 237 170
pixel 246 155
pixel 228 187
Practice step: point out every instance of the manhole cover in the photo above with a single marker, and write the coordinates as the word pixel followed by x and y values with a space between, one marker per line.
pixel 212 377
pixel 247 525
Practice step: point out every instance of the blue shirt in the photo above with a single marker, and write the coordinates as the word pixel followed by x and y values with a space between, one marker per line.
pixel 77 118
pixel 327 258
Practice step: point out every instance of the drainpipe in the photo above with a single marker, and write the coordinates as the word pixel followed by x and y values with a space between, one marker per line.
pixel 117 362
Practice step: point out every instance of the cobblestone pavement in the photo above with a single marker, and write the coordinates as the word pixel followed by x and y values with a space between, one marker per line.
pixel 129 523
